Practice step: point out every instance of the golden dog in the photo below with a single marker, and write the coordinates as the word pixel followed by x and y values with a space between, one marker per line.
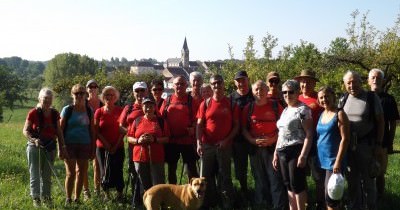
pixel 189 196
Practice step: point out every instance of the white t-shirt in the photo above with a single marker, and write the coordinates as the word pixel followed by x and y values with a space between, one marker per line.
pixel 291 131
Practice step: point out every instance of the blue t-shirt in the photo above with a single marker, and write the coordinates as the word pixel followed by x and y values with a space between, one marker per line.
pixel 77 131
pixel 328 142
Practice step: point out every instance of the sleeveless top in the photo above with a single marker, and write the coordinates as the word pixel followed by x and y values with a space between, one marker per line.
pixel 328 142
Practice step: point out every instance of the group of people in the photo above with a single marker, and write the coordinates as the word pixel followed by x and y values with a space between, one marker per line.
pixel 286 131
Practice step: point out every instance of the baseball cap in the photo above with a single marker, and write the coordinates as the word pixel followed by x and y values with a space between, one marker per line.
pixel 139 85
pixel 91 82
pixel 335 186
pixel 240 74
pixel 148 100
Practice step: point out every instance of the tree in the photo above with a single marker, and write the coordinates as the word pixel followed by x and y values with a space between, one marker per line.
pixel 11 89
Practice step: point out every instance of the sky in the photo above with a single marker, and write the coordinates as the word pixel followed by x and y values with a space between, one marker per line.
pixel 40 29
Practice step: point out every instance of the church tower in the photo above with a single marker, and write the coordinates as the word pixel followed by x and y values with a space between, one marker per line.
pixel 185 55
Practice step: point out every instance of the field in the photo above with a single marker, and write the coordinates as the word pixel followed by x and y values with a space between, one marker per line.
pixel 14 176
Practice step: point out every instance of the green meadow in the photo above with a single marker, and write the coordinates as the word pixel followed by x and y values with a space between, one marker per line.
pixel 14 175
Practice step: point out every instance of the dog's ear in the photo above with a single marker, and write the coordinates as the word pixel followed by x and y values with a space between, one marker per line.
pixel 191 180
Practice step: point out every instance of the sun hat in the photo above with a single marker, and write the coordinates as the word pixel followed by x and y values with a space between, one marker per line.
pixel 307 73
pixel 90 82
pixel 148 100
pixel 272 75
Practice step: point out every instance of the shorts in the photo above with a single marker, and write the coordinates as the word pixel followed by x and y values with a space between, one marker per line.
pixel 173 152
pixel 293 177
pixel 79 151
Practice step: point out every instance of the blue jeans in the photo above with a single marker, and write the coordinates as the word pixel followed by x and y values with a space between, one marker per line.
pixel 268 182
pixel 40 162
pixel 212 156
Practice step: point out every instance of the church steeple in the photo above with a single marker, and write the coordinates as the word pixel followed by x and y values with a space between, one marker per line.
pixel 185 55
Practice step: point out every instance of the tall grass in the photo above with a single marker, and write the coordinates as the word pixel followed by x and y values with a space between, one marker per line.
pixel 14 175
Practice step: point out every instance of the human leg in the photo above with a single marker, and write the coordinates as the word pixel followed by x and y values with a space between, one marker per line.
pixel 32 153
pixel 382 158
pixel 171 158
pixel 259 177
pixel 207 170
pixel 240 161
pixel 189 157
pixel 81 172
pixel 47 167
pixel 70 176
pixel 157 173
pixel 224 164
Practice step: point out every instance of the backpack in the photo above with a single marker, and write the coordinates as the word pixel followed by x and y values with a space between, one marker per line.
pixel 189 105
pixel 251 109
pixel 68 112
pixel 47 144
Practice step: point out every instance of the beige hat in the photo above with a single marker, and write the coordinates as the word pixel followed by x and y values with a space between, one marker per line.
pixel 272 75
pixel 307 73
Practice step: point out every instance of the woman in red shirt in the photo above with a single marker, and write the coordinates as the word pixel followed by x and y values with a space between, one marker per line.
pixel 148 134
pixel 110 145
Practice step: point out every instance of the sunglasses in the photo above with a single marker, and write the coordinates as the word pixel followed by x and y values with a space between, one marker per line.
pixel 290 92
pixel 80 93
pixel 93 86
pixel 180 83
pixel 275 81
pixel 216 82
pixel 139 90
pixel 157 89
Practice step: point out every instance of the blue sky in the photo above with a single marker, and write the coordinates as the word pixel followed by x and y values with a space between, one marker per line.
pixel 134 29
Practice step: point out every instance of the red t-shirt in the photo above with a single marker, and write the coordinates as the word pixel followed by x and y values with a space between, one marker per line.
pixel 312 103
pixel 141 152
pixel 177 116
pixel 127 121
pixel 108 125
pixel 263 119
pixel 218 119
pixel 48 131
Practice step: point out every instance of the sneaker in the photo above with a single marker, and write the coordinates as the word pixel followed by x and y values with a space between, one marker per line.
pixel 68 202
pixel 86 195
pixel 36 202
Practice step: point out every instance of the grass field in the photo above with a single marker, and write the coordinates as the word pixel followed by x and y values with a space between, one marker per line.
pixel 14 176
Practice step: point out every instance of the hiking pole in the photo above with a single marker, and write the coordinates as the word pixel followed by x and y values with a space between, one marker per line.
pixel 52 170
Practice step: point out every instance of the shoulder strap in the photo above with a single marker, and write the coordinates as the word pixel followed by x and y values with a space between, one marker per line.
pixel 161 123
pixel 342 100
pixel 275 108
pixel 40 115
pixel 207 104
pixel 189 105
pixel 249 113
pixel 167 103
pixel 68 112
pixel 137 121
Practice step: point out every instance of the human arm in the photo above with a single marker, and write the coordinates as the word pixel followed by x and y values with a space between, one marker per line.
pixel 27 131
pixel 62 148
pixel 344 129
pixel 307 125
pixel 199 135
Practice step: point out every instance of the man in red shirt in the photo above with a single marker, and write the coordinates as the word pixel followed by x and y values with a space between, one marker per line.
pixel 126 120
pixel 179 110
pixel 217 125
pixel 309 96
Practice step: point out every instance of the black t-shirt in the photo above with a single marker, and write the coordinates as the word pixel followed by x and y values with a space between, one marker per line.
pixel 241 101
pixel 390 112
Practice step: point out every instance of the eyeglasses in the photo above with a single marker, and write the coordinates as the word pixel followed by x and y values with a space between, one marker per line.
pixel 109 95
pixel 80 93
pixel 139 90
pixel 217 82
pixel 275 81
pixel 93 86
pixel 290 92
pixel 157 89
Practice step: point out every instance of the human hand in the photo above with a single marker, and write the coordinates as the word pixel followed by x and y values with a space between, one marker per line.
pixel 301 161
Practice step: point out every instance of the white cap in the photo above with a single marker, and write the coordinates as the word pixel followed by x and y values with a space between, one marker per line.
pixel 335 186
pixel 138 85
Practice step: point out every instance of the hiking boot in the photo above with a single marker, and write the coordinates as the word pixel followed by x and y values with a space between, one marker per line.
pixel 86 195
pixel 36 202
